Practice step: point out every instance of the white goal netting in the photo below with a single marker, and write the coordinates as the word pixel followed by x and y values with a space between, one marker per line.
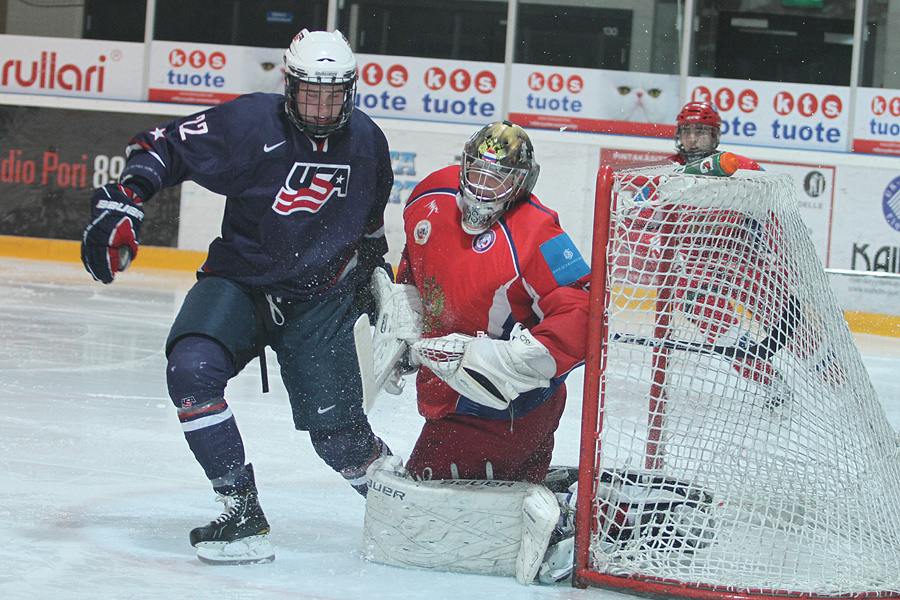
pixel 728 379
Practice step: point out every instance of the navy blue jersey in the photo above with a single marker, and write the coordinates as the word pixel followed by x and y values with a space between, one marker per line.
pixel 303 217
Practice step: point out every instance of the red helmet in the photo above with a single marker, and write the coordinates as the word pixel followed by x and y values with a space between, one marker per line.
pixel 700 124
pixel 699 113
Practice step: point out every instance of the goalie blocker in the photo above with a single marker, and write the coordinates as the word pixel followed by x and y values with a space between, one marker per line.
pixel 379 349
pixel 490 372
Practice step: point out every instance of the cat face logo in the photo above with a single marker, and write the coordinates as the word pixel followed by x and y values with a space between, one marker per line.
pixel 309 186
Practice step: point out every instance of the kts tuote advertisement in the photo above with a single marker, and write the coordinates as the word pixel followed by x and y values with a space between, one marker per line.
pixel 755 113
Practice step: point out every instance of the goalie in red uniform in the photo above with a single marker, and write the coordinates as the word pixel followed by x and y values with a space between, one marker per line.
pixel 504 309
pixel 503 289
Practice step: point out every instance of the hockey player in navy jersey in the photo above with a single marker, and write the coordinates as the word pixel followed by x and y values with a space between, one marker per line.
pixel 307 179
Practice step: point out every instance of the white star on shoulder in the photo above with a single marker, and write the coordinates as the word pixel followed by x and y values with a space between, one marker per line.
pixel 158 133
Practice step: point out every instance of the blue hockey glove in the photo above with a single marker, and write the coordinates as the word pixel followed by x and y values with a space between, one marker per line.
pixel 110 239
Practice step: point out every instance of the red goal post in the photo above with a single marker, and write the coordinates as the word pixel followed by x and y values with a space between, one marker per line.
pixel 721 376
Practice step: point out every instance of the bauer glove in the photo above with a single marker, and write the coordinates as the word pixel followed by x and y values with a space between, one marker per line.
pixel 110 239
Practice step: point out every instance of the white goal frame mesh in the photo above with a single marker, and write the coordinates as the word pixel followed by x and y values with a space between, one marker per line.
pixel 719 361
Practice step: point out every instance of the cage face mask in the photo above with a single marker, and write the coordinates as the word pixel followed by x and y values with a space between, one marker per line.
pixel 497 171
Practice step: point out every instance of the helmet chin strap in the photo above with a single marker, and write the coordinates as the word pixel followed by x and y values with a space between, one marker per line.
pixel 695 155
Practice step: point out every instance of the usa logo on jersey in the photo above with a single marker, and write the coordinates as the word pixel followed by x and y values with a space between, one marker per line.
pixel 309 186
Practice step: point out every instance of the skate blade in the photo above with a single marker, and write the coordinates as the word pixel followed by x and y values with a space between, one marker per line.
pixel 247 551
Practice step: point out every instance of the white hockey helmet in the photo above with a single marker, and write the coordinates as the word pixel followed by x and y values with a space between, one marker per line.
pixel 498 170
pixel 320 58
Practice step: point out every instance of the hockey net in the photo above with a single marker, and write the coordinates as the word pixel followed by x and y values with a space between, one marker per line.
pixel 722 376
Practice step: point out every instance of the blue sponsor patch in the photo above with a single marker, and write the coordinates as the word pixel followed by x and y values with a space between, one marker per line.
pixel 564 259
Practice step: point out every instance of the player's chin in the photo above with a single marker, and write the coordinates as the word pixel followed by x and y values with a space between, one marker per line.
pixel 322 121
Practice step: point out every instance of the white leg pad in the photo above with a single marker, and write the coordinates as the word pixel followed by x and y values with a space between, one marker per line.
pixel 540 511
pixel 461 525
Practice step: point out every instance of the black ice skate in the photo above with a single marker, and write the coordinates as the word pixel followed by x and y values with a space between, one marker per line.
pixel 239 536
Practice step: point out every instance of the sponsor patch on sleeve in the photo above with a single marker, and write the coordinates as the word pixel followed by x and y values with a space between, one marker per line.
pixel 564 259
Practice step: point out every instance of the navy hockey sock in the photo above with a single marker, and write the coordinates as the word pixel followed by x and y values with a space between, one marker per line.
pixel 349 451
pixel 198 370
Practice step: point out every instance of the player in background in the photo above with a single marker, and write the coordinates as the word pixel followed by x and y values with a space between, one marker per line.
pixel 709 293
pixel 698 129
pixel 307 179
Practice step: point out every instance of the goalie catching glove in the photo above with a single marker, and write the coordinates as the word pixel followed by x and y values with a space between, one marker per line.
pixel 110 239
pixel 490 372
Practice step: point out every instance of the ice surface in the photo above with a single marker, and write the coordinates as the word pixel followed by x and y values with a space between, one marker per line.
pixel 99 489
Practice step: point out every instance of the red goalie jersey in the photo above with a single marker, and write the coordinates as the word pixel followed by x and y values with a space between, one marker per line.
pixel 524 269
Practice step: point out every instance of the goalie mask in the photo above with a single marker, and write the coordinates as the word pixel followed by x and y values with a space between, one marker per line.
pixel 697 131
pixel 319 82
pixel 498 169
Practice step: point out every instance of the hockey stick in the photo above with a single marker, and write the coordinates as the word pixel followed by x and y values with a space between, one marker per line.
pixel 666 344
pixel 761 350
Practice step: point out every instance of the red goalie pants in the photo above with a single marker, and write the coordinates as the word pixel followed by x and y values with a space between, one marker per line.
pixel 517 450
